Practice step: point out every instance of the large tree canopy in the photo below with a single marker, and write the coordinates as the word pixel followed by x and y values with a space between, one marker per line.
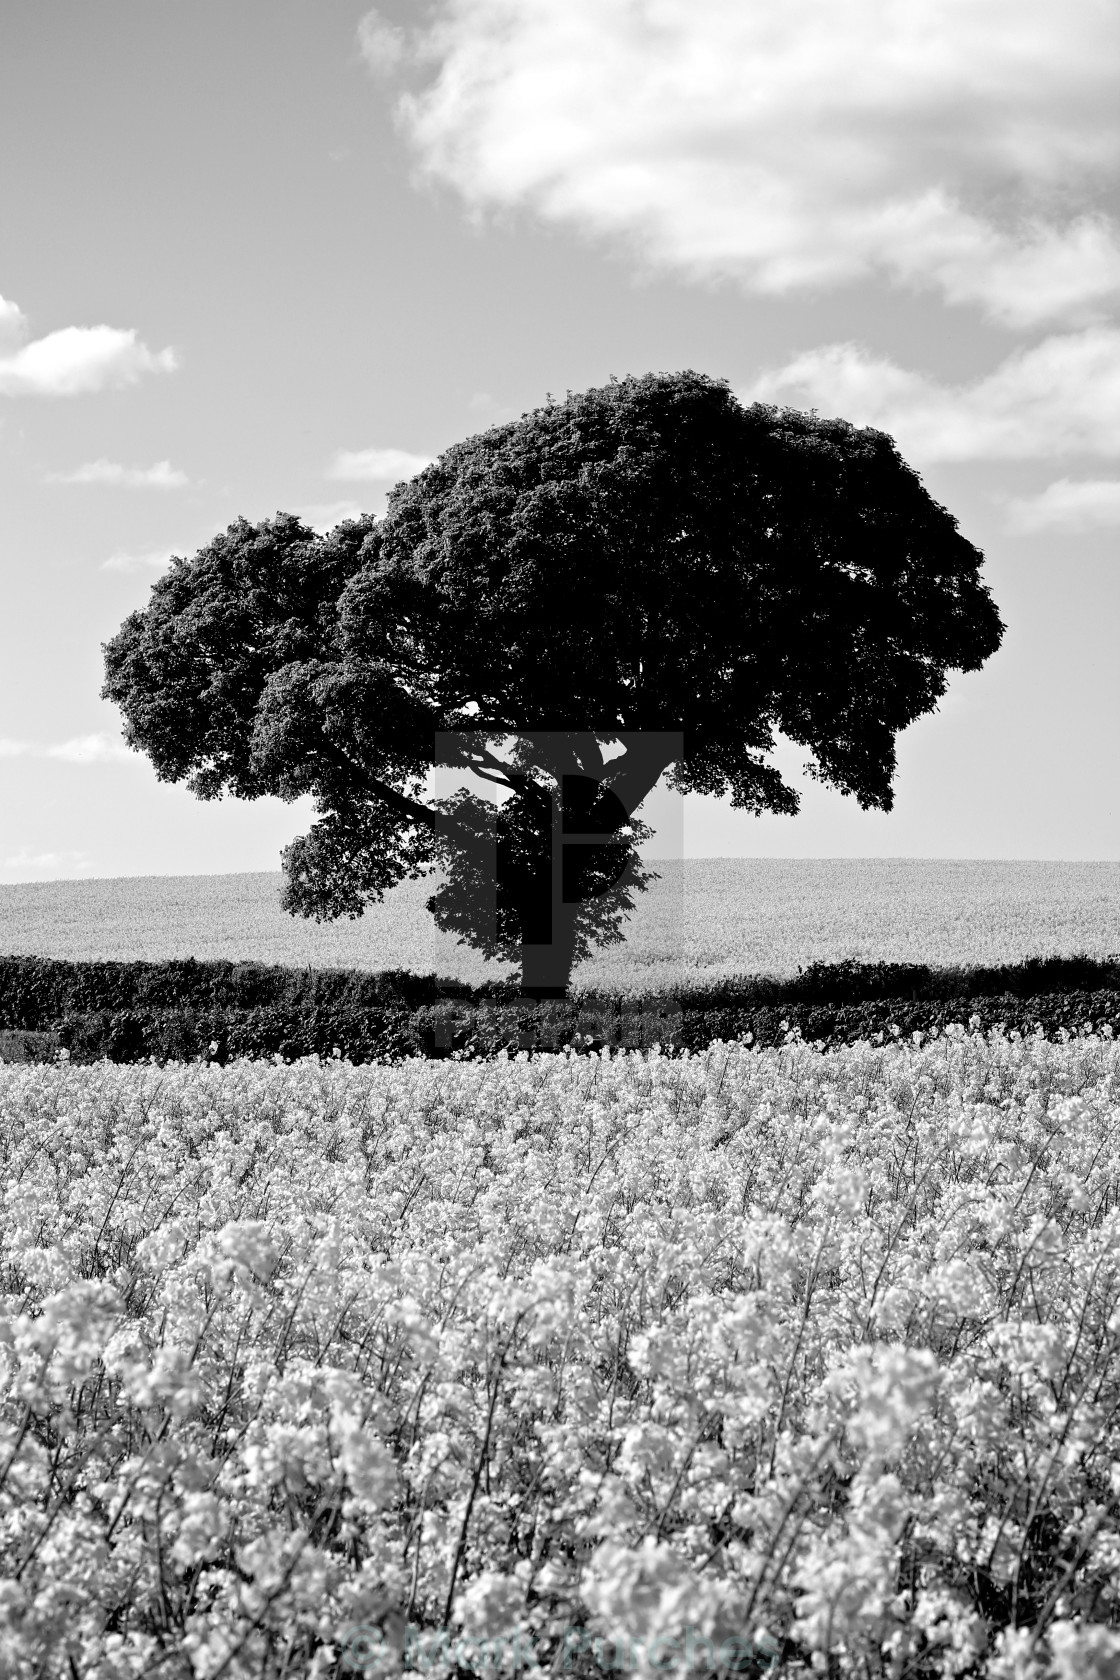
pixel 649 556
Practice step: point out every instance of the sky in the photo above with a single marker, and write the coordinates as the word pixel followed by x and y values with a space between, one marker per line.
pixel 279 254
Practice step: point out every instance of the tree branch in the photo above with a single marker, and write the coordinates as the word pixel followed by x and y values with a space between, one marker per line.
pixel 638 771
pixel 488 776
pixel 486 757
pixel 411 809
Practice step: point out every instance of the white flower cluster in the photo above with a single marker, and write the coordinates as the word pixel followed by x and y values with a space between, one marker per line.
pixel 815 1352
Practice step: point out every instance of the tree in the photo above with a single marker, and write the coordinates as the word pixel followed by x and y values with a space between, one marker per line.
pixel 647 558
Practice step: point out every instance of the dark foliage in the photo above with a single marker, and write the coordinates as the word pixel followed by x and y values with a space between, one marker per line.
pixel 855 982
pixel 378 1034
pixel 36 991
pixel 833 1025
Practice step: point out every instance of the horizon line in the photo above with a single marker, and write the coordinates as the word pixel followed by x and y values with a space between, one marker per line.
pixel 224 874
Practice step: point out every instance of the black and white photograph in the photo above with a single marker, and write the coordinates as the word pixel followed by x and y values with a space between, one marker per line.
pixel 559 839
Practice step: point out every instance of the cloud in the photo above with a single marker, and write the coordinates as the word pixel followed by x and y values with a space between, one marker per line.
pixel 151 559
pixel 82 749
pixel 1067 505
pixel 72 360
pixel 1061 397
pixel 959 145
pixel 13 325
pixel 161 476
pixel 490 409
pixel 376 466
pixel 324 516
pixel 91 749
pixel 383 45
pixel 47 860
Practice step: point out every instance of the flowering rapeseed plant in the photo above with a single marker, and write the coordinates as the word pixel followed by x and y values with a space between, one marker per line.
pixel 816 1352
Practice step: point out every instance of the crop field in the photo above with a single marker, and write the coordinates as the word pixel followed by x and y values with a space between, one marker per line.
pixel 752 1361
pixel 706 918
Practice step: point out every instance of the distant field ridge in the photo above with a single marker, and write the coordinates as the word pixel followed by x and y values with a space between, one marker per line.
pixel 706 919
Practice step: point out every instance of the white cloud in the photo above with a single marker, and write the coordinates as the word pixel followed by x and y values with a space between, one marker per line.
pixel 376 466
pixel 1067 505
pixel 73 359
pixel 82 749
pixel 154 559
pixel 490 410
pixel 161 476
pixel 953 144
pixel 48 860
pixel 13 325
pixel 383 468
pixel 324 516
pixel 1061 397
pixel 91 749
pixel 384 45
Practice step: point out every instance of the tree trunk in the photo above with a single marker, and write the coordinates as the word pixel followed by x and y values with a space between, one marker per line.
pixel 546 970
pixel 538 861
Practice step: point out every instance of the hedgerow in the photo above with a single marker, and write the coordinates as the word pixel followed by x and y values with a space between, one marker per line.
pixel 181 1011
